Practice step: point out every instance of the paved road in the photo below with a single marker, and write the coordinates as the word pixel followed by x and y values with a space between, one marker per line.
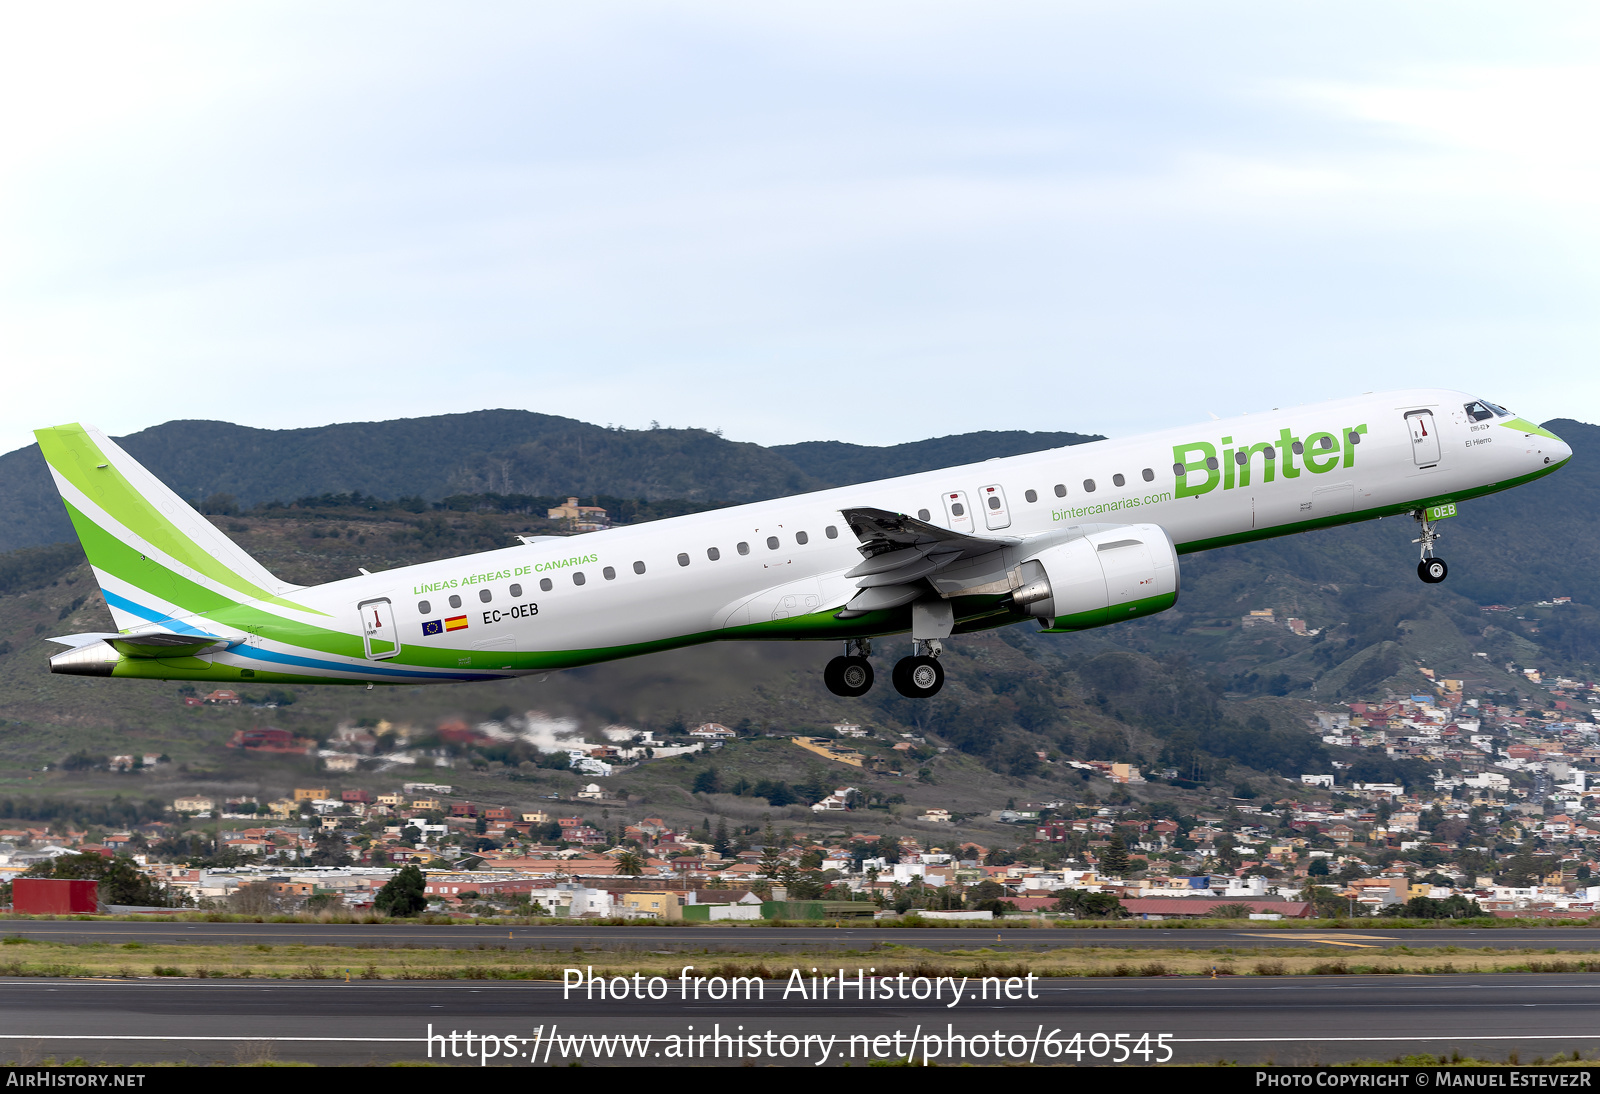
pixel 1248 1020
pixel 692 939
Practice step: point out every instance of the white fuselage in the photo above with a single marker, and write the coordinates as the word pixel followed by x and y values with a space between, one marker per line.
pixel 720 573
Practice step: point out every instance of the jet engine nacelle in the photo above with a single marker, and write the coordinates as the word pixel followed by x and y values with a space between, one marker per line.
pixel 1122 572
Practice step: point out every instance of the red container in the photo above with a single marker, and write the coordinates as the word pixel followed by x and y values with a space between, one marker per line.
pixel 48 896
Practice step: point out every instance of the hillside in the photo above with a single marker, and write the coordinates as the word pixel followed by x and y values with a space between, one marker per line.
pixel 498 451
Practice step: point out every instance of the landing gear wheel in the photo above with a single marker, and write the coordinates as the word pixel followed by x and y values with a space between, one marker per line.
pixel 1432 570
pixel 918 677
pixel 849 676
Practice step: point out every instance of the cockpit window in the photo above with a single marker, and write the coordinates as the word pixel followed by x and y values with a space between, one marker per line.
pixel 1480 409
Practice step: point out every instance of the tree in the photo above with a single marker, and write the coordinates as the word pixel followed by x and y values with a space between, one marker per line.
pixel 630 863
pixel 1326 903
pixel 318 902
pixel 1115 862
pixel 402 895
pixel 252 899
pixel 1318 867
pixel 1231 911
pixel 707 782
pixel 771 861
pixel 1082 904
pixel 330 849
pixel 1455 906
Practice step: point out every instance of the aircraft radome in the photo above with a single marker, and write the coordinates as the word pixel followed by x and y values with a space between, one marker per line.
pixel 1073 538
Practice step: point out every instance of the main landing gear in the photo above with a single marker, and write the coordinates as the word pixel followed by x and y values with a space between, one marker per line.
pixel 919 676
pixel 850 675
pixel 1430 569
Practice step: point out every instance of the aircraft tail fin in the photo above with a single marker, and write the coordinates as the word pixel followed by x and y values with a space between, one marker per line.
pixel 156 558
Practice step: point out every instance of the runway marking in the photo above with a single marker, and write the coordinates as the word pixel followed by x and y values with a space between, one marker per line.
pixel 1331 940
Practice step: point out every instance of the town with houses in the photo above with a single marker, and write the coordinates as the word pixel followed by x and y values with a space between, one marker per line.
pixel 1505 824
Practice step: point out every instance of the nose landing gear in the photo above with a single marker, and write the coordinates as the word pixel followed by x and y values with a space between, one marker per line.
pixel 850 675
pixel 1430 569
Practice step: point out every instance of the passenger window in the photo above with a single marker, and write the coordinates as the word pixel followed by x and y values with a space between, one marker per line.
pixel 1088 486
pixel 1299 448
pixel 958 510
pixel 1327 443
pixel 1031 495
pixel 1355 438
pixel 831 532
pixel 1178 470
pixel 801 538
pixel 424 608
pixel 1061 489
pixel 638 567
pixel 713 554
pixel 578 578
pixel 744 548
pixel 485 595
pixel 1269 452
pixel 683 559
pixel 516 591
pixel 1149 475
pixel 923 514
pixel 1241 457
pixel 1118 480
pixel 609 573
pixel 994 502
pixel 1211 463
pixel 545 584
pixel 772 543
pixel 455 601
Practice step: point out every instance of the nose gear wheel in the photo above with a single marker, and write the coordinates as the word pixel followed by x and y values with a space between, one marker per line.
pixel 1430 569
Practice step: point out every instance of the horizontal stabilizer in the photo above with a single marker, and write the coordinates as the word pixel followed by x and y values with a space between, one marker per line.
pixel 150 643
pixel 88 638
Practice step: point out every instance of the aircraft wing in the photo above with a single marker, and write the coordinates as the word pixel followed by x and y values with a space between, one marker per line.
pixel 903 554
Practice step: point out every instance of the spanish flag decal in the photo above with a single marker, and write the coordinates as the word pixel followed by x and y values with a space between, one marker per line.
pixel 456 623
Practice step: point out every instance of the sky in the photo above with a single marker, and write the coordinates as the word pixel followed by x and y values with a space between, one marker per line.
pixel 867 222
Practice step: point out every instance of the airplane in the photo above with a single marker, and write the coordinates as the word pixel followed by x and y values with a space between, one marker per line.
pixel 1071 538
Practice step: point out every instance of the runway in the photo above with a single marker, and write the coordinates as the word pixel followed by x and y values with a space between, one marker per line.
pixel 759 939
pixel 1296 1020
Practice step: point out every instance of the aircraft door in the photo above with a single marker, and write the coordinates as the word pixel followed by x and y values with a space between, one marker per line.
pixel 377 629
pixel 1424 437
pixel 995 513
pixel 958 514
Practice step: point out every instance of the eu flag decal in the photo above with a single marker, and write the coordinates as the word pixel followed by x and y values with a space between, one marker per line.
pixel 432 626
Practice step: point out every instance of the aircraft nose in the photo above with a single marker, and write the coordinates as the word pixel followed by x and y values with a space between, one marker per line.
pixel 1555 449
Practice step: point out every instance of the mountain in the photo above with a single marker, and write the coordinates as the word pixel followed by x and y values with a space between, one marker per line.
pixel 839 464
pixel 499 451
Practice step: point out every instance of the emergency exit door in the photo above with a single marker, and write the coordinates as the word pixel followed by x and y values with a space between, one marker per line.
pixel 377 629
pixel 1424 438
